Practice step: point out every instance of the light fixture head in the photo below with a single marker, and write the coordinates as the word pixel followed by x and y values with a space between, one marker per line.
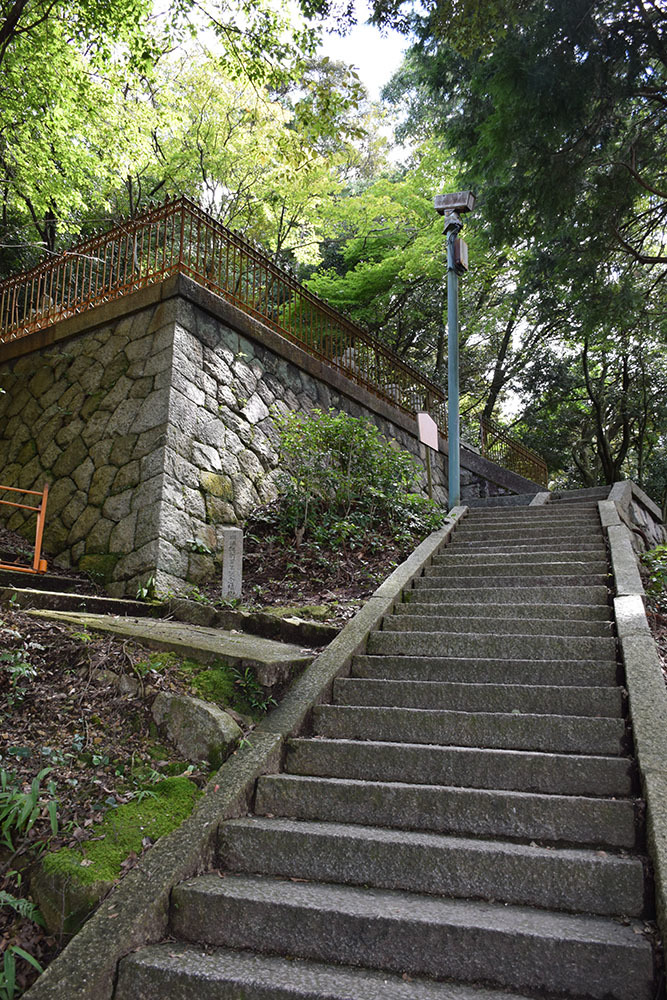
pixel 462 201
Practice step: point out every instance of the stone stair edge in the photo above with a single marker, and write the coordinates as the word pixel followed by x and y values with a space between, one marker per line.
pixel 495 813
pixel 473 767
pixel 52 600
pixel 257 976
pixel 425 936
pixel 576 880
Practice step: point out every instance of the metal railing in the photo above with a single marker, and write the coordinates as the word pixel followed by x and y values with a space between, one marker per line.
pixel 501 448
pixel 177 237
pixel 39 565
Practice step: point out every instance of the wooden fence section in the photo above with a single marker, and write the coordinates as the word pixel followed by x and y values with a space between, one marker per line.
pixel 501 448
pixel 178 237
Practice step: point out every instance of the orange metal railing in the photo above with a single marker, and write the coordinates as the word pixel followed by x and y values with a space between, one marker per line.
pixel 501 448
pixel 39 565
pixel 178 237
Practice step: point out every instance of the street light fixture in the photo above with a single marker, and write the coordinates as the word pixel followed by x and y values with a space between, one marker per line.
pixel 452 207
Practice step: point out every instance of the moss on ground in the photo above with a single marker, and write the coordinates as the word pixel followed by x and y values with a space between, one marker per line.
pixel 122 831
pixel 310 612
pixel 219 683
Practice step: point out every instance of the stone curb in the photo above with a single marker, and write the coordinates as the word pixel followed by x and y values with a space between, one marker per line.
pixel 626 571
pixel 647 698
pixel 136 913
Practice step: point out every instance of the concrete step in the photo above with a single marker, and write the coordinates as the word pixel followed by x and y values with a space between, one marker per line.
pixel 469 767
pixel 12 579
pixel 584 673
pixel 595 702
pixel 575 504
pixel 494 577
pixel 526 518
pixel 552 612
pixel 522 513
pixel 502 731
pixel 516 647
pixel 571 880
pixel 518 544
pixel 449 622
pixel 511 947
pixel 464 568
pixel 506 500
pixel 44 600
pixel 177 971
pixel 524 535
pixel 451 556
pixel 608 823
pixel 536 593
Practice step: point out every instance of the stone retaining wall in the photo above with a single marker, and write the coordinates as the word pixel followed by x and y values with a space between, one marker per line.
pixel 154 419
pixel 642 516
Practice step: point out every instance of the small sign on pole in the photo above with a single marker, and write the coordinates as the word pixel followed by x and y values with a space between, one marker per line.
pixel 428 430
pixel 428 435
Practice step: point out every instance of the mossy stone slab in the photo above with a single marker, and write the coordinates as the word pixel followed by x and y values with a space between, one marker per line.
pixel 271 661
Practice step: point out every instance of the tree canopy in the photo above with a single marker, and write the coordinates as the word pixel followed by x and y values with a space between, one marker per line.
pixel 553 112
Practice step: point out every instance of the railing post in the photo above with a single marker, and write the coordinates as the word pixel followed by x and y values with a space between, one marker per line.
pixel 39 533
pixel 181 242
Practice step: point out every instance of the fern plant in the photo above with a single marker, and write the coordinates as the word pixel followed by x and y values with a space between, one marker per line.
pixel 20 810
pixel 8 987
pixel 24 907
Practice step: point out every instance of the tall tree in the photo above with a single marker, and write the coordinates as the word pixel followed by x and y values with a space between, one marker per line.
pixel 77 86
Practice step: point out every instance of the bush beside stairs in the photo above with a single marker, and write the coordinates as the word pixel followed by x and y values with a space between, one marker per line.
pixel 463 822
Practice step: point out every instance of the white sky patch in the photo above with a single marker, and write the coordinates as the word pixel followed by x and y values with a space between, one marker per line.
pixel 375 55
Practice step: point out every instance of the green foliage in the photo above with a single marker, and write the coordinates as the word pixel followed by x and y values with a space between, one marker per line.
pixel 227 687
pixel 346 486
pixel 124 830
pixel 655 561
pixel 22 906
pixel 8 985
pixel 215 684
pixel 20 671
pixel 251 690
pixel 146 591
pixel 20 809
pixel 554 114
pixel 197 545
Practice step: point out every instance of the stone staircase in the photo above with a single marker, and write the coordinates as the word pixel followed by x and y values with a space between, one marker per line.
pixel 462 824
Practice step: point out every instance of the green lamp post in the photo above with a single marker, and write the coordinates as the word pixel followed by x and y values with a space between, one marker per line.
pixel 451 207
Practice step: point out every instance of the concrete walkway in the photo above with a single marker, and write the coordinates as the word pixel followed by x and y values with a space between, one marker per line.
pixel 462 823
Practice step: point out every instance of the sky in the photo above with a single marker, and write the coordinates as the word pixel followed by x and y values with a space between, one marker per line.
pixel 376 56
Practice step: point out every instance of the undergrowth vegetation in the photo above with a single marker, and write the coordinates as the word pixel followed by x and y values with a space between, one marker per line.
pixel 655 563
pixel 87 781
pixel 349 508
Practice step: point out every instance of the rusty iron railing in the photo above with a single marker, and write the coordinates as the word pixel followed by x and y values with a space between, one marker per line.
pixel 501 448
pixel 39 565
pixel 177 237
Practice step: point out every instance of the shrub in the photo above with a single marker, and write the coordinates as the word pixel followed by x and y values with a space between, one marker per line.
pixel 655 561
pixel 345 486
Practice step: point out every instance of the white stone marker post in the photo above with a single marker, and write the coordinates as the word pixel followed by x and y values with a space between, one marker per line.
pixel 232 562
